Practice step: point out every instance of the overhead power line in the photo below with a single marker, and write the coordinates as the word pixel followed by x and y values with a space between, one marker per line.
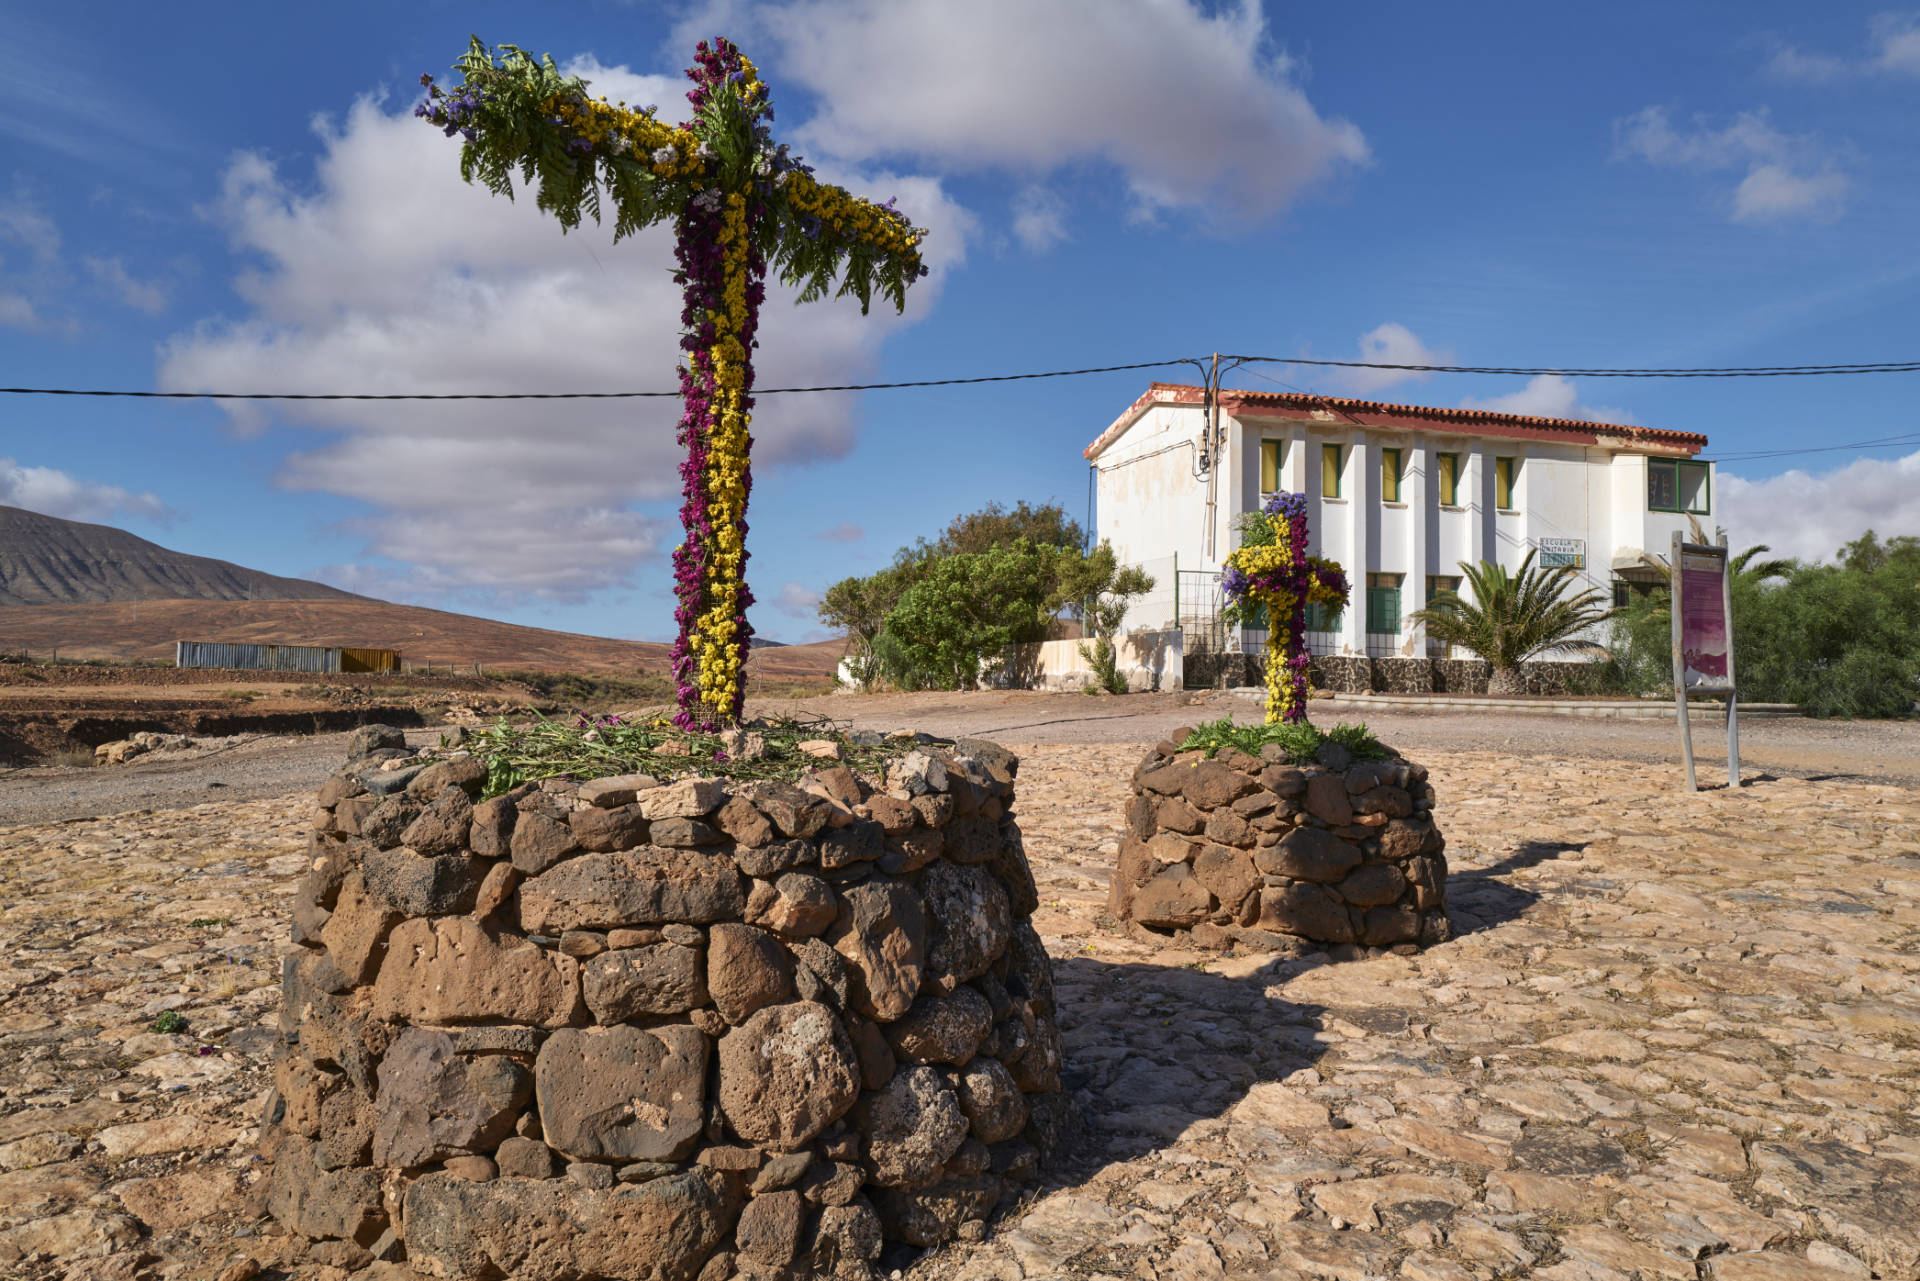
pixel 1712 371
pixel 1725 371
pixel 563 395
pixel 1906 438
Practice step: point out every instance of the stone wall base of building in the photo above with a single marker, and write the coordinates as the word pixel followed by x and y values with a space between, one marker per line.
pixel 1358 674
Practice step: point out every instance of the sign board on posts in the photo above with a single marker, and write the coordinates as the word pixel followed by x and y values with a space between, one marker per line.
pixel 1555 552
pixel 1702 608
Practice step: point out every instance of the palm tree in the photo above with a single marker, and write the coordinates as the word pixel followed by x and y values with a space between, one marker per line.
pixel 1512 617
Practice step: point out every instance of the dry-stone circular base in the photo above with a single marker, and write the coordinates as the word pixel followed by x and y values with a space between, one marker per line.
pixel 632 1029
pixel 1253 853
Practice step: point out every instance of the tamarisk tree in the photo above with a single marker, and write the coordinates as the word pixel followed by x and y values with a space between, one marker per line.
pixel 739 204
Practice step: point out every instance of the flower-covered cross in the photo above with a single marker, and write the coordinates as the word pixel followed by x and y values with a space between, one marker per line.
pixel 738 203
pixel 1271 568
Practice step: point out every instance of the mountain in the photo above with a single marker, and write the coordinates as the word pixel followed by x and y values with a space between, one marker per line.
pixel 98 592
pixel 48 561
pixel 136 630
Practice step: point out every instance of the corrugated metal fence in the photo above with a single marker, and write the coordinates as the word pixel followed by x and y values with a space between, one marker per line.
pixel 283 658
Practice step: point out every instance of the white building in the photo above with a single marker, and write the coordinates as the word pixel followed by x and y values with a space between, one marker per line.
pixel 1398 494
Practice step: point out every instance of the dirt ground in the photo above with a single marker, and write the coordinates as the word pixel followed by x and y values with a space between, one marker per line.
pixel 1881 750
pixel 1675 1038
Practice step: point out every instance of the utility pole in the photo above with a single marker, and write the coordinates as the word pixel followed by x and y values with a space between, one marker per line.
pixel 1210 451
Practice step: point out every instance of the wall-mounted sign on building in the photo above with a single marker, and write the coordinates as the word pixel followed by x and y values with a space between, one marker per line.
pixel 1563 551
pixel 1703 642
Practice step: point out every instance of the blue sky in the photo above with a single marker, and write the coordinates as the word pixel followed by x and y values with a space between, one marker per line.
pixel 202 195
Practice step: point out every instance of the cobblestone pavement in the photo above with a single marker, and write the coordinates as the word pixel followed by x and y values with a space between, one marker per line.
pixel 1677 1037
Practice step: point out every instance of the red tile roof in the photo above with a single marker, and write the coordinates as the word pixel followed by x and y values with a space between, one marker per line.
pixel 1301 406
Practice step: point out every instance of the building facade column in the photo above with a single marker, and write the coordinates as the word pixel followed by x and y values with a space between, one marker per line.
pixel 1418 489
pixel 1360 481
pixel 1478 485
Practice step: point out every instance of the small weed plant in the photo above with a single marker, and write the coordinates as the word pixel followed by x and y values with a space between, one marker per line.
pixel 170 1021
pixel 1300 740
pixel 597 747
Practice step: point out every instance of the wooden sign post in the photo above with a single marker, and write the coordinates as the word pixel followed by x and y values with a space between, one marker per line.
pixel 1702 597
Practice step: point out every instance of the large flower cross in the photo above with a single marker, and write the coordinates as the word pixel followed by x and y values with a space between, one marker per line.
pixel 1271 568
pixel 738 202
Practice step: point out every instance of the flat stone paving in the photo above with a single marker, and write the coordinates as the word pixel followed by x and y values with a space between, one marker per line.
pixel 1677 1037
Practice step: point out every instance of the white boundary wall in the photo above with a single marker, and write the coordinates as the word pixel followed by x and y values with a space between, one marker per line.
pixel 1148 660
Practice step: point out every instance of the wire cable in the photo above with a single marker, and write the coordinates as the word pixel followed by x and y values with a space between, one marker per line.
pixel 567 395
pixel 1879 443
pixel 1724 371
pixel 1710 371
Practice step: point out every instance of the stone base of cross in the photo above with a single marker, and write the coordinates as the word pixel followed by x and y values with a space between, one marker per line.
pixel 739 204
pixel 1271 568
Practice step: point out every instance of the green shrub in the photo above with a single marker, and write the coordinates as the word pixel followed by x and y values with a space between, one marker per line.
pixel 966 609
pixel 1840 639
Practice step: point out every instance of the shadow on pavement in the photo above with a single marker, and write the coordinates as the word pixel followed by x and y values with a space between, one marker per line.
pixel 1478 899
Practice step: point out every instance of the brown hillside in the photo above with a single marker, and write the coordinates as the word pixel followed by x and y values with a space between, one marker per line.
pixel 148 629
pixel 45 560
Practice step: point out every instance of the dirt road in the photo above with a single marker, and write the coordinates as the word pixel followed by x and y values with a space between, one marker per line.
pixel 253 768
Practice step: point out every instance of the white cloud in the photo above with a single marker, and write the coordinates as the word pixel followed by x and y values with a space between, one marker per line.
pixel 1391 344
pixel 1787 176
pixel 1189 105
pixel 1039 218
pixel 1893 47
pixel 1789 63
pixel 1549 396
pixel 846 532
pixel 385 271
pixel 18 312
pixel 1770 193
pixel 52 492
pixel 44 293
pixel 637 89
pixel 1896 41
pixel 796 601
pixel 30 261
pixel 112 274
pixel 25 225
pixel 1810 516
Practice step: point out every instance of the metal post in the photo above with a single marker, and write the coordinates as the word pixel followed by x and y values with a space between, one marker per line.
pixel 1733 682
pixel 1733 742
pixel 1679 669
